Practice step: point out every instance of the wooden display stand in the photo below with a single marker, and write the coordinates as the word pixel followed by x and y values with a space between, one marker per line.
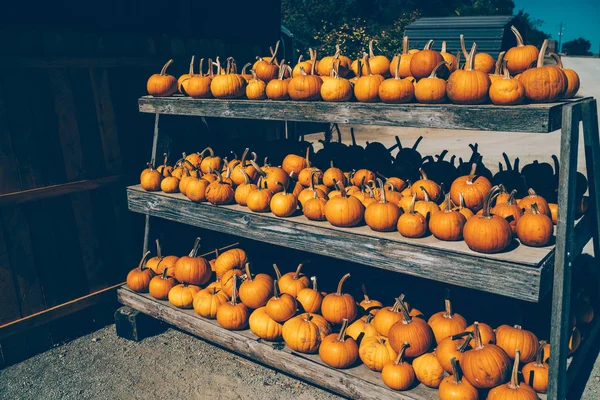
pixel 522 273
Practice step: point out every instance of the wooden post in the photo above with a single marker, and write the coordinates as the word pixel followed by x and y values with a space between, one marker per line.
pixel 561 295
pixel 153 161
pixel 589 116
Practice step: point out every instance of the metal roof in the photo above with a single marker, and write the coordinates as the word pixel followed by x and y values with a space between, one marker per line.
pixel 492 33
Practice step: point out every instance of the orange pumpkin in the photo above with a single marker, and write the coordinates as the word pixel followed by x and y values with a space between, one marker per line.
pixel 486 365
pixel 513 389
pixel 521 56
pixel 160 286
pixel 431 90
pixel 573 81
pixel 544 84
pixel 473 189
pixel 310 298
pixel 446 323
pixel 375 352
pixel 452 347
pixel 447 224
pixel 366 88
pixel 207 302
pixel 233 315
pixel 305 332
pixel 339 306
pixel 227 85
pixel 383 215
pixel 482 61
pixel 182 295
pixel 423 62
pixel 412 224
pixel 264 326
pixel 534 228
pixel 507 91
pixel 192 269
pixel 402 61
pixel 396 90
pixel 304 87
pixel 510 211
pixel 469 85
pixel 138 279
pixel 339 350
pixel 454 387
pixel 344 210
pixel 281 307
pixel 511 339
pixel 163 84
pixel 398 375
pixel 536 372
pixel 428 370
pixel 255 291
pixel 292 282
pixel 230 259
pixel 277 89
pixel 413 331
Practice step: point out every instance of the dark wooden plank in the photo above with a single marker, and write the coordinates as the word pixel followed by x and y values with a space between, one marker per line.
pixel 9 168
pixel 538 118
pixel 583 353
pixel 515 274
pixel 64 189
pixel 350 383
pixel 592 159
pixel 561 295
pixel 10 309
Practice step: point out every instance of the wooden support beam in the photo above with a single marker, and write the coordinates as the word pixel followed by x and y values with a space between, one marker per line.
pixel 27 196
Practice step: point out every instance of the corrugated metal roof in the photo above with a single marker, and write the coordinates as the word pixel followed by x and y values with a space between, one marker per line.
pixel 492 33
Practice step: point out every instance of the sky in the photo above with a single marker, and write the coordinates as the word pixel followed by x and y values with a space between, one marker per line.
pixel 580 18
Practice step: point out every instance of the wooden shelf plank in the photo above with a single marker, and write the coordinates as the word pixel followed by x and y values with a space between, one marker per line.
pixel 537 118
pixel 357 382
pixel 523 272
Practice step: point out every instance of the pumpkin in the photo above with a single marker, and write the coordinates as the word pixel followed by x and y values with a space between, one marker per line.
pixel 449 58
pixel 426 187
pixel 544 84
pixel 462 207
pixel 182 80
pixel 454 387
pixel 396 90
pixel 423 62
pixel 375 352
pixel 283 204
pixel 572 77
pixel 553 212
pixel 534 228
pixel 535 373
pixel 386 317
pixel 398 375
pixel 244 189
pixel 447 224
pixel 344 210
pixel 210 162
pixel 507 91
pixel 198 86
pixel 452 347
pixel 207 302
pixel 233 315
pixel 255 291
pixel 277 89
pixel 473 187
pixel 366 88
pixel 513 389
pixel 138 279
pixel 305 332
pixel 169 183
pixel 488 336
pixel 486 365
pixel 542 205
pixel 333 175
pixel 163 84
pixel 164 168
pixel 339 306
pixel 160 286
pixel 310 298
pixel 281 307
pixel 426 207
pixel 446 323
pixel 293 163
pixel 428 370
pixel 266 70
pixel 498 70
pixel 227 281
pixel 521 56
pixel 482 61
pixel 361 176
pixel 243 171
pixel 338 88
pixel 259 199
pixel 337 61
pixel 469 85
pixel 227 85
pixel 382 216
pixel 193 269
pixel 306 65
pixel 511 339
pixel 292 282
pixel 311 190
pixel 431 89
pixel 314 208
pixel 339 350
pixel 487 233
pixel 159 263
pixel 368 304
pixel 304 87
pixel 413 331
pixel 220 192
pixel 412 224
pixel 228 260
pixel 380 65
pixel 186 178
pixel 182 295
pixel 264 326
pixel 362 328
pixel 510 211
pixel 402 61
pixel 150 179
pixel 196 190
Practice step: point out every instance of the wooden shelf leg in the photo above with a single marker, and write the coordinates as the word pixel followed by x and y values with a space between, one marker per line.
pixel 561 292
pixel 589 114
pixel 153 161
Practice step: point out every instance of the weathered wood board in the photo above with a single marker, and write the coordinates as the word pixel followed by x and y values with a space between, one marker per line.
pixel 519 273
pixel 538 118
pixel 357 382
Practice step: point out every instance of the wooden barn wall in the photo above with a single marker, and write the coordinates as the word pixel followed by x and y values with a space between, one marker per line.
pixel 68 113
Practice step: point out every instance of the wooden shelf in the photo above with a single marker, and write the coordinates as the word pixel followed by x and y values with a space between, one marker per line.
pixel 523 272
pixel 358 382
pixel 536 118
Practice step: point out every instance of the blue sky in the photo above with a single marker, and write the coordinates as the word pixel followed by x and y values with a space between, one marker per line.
pixel 580 18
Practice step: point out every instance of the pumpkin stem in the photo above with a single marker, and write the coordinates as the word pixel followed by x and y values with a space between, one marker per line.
pixel 142 264
pixel 520 42
pixel 307 156
pixel 463 47
pixel 382 190
pixel 535 209
pixel 234 290
pixel 514 377
pixel 254 77
pixel 412 204
pixel 477 336
pixel 499 61
pixel 277 272
pixel 423 174
pixel 505 69
pixel 448 306
pixel 367 64
pixel 540 60
pixel 428 45
pixel 404 46
pixel 443 47
pixel 397 71
pixel 556 58
pixel 274 53
pixel 371 54
pixel 511 198
pixel 244 68
pixel 297 273
pixel 163 71
pixel 150 166
pixel 191 71
pixel 314 62
pixel 342 335
pixel 246 176
pixel 401 353
pixel 471 59
pixel 472 173
pixel 164 274
pixel 487 202
pixel 257 168
pixel 195 248
pixel 248 274
pixel 405 314
pixel 158 250
pixel 539 354
pixel 314 283
pixel 366 296
pixel 341 283
pixel 435 70
pixel 425 194
pixel 276 292
pixel 456 371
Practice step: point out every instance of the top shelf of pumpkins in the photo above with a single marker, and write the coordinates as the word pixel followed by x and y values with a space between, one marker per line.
pixel 347 198
pixel 427 76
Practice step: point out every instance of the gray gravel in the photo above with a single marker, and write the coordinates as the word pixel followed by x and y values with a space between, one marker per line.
pixel 170 365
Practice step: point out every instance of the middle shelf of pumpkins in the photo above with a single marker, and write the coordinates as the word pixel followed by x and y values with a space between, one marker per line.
pixel 465 341
pixel 403 212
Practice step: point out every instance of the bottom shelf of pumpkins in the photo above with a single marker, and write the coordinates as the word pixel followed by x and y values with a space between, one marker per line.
pixel 443 352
